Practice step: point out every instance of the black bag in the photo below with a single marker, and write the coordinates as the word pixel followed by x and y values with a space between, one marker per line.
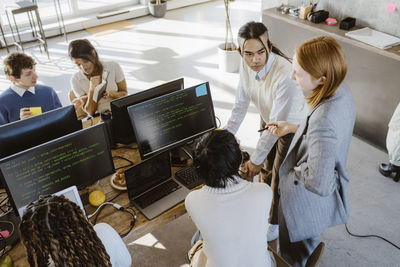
pixel 318 16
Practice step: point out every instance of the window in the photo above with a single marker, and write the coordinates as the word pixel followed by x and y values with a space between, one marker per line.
pixel 70 9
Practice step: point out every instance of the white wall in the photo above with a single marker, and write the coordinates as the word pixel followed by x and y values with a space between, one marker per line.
pixel 371 13
pixel 265 4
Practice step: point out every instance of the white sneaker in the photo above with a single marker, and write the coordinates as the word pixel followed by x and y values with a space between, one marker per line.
pixel 273 232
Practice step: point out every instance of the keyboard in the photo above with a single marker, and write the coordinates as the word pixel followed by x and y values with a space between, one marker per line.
pixel 157 193
pixel 188 177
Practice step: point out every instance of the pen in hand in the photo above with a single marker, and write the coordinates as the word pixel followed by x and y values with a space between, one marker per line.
pixel 263 129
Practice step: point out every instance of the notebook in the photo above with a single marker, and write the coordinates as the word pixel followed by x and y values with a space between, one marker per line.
pixel 71 193
pixel 374 38
pixel 151 187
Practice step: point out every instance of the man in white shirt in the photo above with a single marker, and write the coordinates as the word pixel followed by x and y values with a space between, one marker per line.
pixel 265 80
pixel 230 212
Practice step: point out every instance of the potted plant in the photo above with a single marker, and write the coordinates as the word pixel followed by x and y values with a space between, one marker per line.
pixel 157 8
pixel 228 56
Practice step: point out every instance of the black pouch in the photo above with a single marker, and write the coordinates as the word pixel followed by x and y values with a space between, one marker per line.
pixel 318 16
pixel 347 23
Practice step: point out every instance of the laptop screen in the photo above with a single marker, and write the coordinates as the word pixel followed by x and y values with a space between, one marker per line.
pixel 147 174
pixel 71 193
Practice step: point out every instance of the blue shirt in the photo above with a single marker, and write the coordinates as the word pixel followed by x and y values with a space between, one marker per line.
pixel 11 102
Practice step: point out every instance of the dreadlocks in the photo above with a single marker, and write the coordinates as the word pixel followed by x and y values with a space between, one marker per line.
pixel 55 227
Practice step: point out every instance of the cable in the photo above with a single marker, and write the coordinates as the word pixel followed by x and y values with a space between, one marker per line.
pixel 186 152
pixel 95 218
pixel 127 147
pixel 377 236
pixel 118 207
pixel 119 157
pixel 133 221
pixel 12 229
pixel 218 121
pixel 100 207
pixel 8 223
pixel 2 204
pixel 125 166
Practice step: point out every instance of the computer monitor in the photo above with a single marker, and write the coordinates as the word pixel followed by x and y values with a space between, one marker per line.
pixel 79 158
pixel 23 134
pixel 121 124
pixel 171 120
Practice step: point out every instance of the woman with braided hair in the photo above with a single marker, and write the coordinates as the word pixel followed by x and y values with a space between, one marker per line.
pixel 55 232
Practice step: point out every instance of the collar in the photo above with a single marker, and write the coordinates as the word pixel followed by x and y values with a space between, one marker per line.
pixel 261 74
pixel 231 186
pixel 81 75
pixel 20 91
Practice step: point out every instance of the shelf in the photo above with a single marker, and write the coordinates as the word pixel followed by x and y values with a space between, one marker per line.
pixel 334 31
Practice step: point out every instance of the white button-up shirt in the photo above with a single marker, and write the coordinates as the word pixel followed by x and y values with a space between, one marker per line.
pixel 286 95
pixel 20 91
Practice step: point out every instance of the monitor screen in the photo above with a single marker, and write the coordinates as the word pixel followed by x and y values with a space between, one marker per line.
pixel 121 124
pixel 79 158
pixel 23 134
pixel 171 120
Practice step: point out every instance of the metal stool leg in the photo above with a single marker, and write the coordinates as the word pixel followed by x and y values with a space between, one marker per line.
pixel 12 31
pixel 60 17
pixel 35 33
pixel 19 36
pixel 4 39
pixel 36 26
pixel 42 36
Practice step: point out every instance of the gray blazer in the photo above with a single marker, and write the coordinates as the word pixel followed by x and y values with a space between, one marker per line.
pixel 315 198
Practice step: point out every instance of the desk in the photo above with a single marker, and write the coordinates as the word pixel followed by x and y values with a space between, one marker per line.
pixel 117 219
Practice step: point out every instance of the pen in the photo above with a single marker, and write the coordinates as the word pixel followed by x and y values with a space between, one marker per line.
pixel 263 129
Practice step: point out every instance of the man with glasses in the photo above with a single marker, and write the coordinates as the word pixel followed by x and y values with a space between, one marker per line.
pixel 265 80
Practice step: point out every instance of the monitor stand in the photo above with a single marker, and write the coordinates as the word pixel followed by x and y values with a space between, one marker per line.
pixel 181 155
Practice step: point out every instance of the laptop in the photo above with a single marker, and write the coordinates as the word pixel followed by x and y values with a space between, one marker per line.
pixel 71 193
pixel 151 187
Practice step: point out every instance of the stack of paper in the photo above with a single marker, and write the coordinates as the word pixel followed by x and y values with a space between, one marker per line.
pixel 374 38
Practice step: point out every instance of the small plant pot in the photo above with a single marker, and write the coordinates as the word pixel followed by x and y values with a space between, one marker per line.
pixel 229 60
pixel 157 11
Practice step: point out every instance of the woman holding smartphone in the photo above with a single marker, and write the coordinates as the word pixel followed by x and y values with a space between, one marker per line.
pixel 97 82
pixel 314 182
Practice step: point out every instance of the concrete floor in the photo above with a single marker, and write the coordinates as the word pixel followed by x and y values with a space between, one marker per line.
pixel 184 44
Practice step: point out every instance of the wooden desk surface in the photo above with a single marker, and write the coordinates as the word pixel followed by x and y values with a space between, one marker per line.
pixel 117 219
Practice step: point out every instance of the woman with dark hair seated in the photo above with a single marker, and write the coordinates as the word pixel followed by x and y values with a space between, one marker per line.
pixel 93 76
pixel 230 212
pixel 55 232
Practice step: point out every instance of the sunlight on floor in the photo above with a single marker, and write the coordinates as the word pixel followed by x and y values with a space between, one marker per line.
pixel 153 51
pixel 149 241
